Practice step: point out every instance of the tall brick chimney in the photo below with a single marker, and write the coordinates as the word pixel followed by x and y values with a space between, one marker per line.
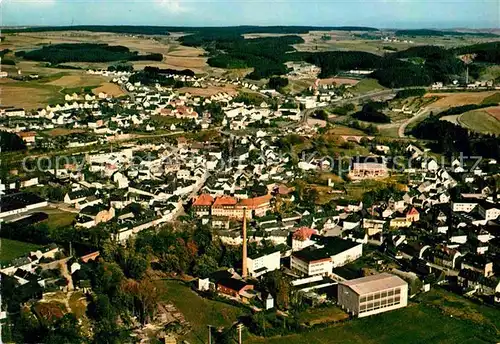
pixel 244 265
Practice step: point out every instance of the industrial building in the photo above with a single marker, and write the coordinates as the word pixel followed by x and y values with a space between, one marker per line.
pixel 373 294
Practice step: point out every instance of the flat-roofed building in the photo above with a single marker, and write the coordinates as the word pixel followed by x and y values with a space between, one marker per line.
pixel 327 253
pixel 369 167
pixel 263 262
pixel 373 294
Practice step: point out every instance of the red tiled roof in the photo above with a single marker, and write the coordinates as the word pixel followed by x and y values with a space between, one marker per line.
pixel 224 201
pixel 413 211
pixel 90 256
pixel 27 134
pixel 255 202
pixel 304 233
pixel 203 200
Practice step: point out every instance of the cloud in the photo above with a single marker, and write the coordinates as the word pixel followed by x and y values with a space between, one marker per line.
pixel 173 6
pixel 29 2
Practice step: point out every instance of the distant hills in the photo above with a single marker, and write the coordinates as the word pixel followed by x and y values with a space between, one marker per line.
pixel 164 30
pixel 241 30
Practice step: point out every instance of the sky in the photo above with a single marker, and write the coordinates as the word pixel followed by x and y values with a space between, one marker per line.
pixel 374 13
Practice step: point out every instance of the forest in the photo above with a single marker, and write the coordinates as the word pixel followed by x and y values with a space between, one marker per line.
pixel 485 52
pixel 440 33
pixel 85 52
pixel 185 72
pixel 153 75
pixel 10 142
pixel 451 138
pixel 371 112
pixel 457 110
pixel 164 30
pixel 332 62
pixel 230 50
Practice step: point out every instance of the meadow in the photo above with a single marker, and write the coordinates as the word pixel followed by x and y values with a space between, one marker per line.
pixel 436 317
pixel 11 249
pixel 199 312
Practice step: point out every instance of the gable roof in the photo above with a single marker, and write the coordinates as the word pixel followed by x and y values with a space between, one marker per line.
pixel 374 283
pixel 203 200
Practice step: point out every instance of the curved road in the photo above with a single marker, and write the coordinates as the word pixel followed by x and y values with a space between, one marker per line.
pixel 402 127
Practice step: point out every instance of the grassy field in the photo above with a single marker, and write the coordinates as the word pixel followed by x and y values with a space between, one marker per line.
pixel 10 249
pixel 438 317
pixel 447 100
pixel 365 86
pixel 51 88
pixel 315 316
pixel 490 73
pixel 494 98
pixel 60 219
pixel 480 121
pixel 199 312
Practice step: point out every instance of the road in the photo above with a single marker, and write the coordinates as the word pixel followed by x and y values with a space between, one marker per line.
pixel 420 114
pixel 402 126
pixel 307 112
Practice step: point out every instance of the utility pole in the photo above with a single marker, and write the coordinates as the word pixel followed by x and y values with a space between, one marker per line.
pixel 239 327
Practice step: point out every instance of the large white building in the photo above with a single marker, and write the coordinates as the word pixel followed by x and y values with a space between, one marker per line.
pixel 373 294
pixel 262 263
pixel 327 253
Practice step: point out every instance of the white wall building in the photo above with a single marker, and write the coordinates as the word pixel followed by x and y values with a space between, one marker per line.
pixel 373 294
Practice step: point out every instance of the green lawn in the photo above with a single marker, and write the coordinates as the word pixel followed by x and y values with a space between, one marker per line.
pixel 480 121
pixel 365 86
pixel 494 98
pixel 321 315
pixel 10 249
pixel 61 219
pixel 439 317
pixel 199 312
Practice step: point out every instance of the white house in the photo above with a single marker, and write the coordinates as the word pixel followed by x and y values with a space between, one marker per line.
pixel 262 263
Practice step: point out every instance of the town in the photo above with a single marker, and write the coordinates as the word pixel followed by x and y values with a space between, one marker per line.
pixel 197 205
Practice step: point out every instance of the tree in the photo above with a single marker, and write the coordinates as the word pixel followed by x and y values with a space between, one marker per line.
pixel 278 83
pixel 66 330
pixel 11 142
pixel 205 265
pixel 278 284
pixel 107 279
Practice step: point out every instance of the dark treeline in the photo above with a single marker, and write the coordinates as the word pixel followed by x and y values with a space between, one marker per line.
pixel 10 142
pixel 151 76
pixel 85 52
pixel 332 62
pixel 230 50
pixel 121 68
pixel 164 30
pixel 402 69
pixel 439 33
pixel 451 138
pixel 411 92
pixel 126 29
pixel 457 110
pixel 371 112
pixel 486 52
pixel 185 72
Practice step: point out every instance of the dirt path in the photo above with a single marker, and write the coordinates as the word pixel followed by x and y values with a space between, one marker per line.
pixel 420 114
pixel 65 273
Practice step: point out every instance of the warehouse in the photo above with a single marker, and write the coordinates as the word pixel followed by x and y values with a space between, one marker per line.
pixel 373 294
